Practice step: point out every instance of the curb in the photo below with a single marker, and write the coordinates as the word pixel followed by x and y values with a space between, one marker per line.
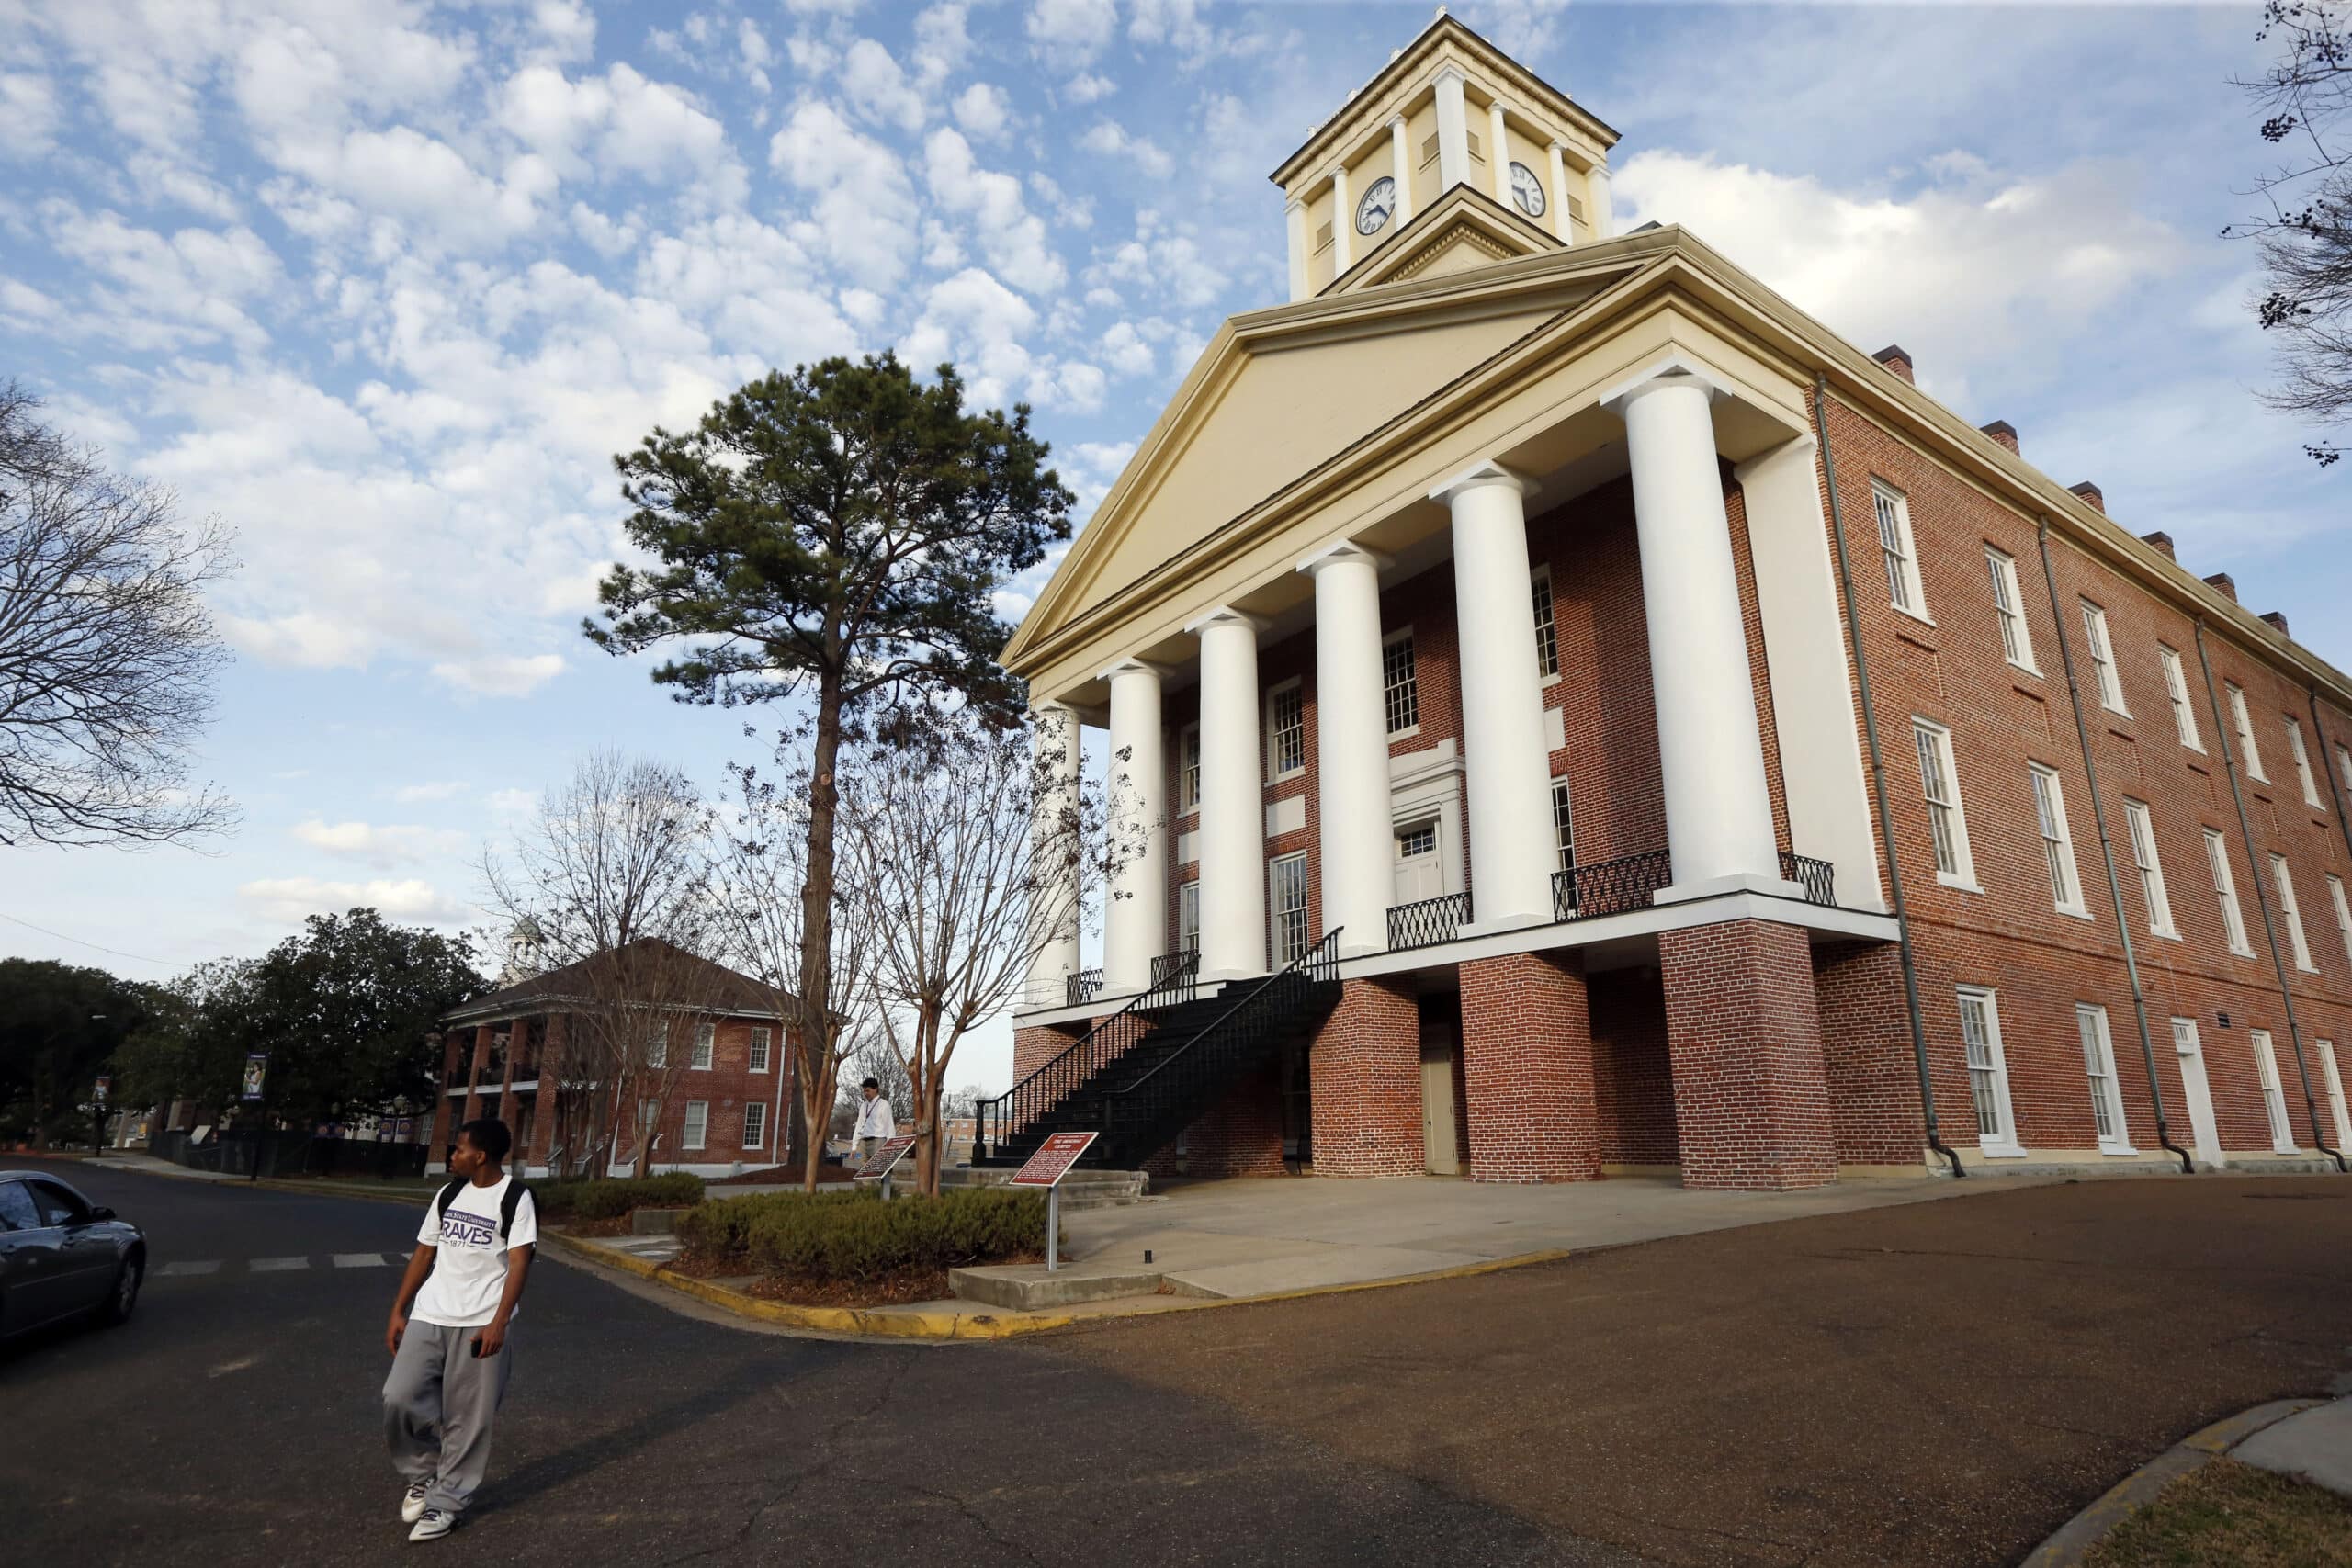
pixel 2136 1491
pixel 894 1324
pixel 275 1184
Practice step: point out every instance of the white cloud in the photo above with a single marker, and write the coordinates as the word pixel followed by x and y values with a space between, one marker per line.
pixel 510 802
pixel 942 44
pixel 862 219
pixel 1071 32
pixel 1112 140
pixel 27 115
pixel 621 122
pixel 291 899
pixel 878 89
pixel 1013 239
pixel 434 789
pixel 502 675
pixel 380 844
pixel 1126 351
pixel 168 292
pixel 984 110
pixel 1087 88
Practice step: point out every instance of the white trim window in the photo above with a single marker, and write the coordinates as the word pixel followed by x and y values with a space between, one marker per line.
pixel 2008 600
pixel 2304 763
pixel 2184 712
pixel 1947 822
pixel 705 1047
pixel 2274 1094
pixel 1286 906
pixel 2344 766
pixel 2057 841
pixel 2098 1067
pixel 2225 888
pixel 1902 553
pixel 2248 752
pixel 697 1126
pixel 1188 917
pixel 762 1042
pixel 1564 831
pixel 1286 730
pixel 2343 912
pixel 1547 630
pixel 2111 682
pixel 2143 824
pixel 2284 881
pixel 657 1046
pixel 1188 769
pixel 1401 683
pixel 755 1124
pixel 2334 1084
pixel 1988 1071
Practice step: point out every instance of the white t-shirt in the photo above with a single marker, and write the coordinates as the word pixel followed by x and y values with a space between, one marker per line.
pixel 874 1119
pixel 469 1262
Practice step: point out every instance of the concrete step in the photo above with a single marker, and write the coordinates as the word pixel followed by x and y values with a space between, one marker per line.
pixel 1027 1287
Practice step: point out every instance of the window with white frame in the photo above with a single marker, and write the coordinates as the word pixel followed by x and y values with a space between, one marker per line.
pixel 1547 631
pixel 657 1046
pixel 2248 752
pixel 2184 712
pixel 2152 872
pixel 2225 888
pixel 1286 730
pixel 760 1046
pixel 1399 684
pixel 755 1124
pixel 1988 1070
pixel 2111 682
pixel 2008 602
pixel 1564 833
pixel 2284 881
pixel 705 1047
pixel 2344 766
pixel 1947 825
pixel 2343 912
pixel 698 1124
pixel 1895 542
pixel 2273 1095
pixel 2099 1066
pixel 2333 1083
pixel 2057 843
pixel 2303 762
pixel 1188 917
pixel 1188 769
pixel 1287 904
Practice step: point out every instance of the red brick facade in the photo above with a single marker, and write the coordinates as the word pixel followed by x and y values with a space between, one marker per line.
pixel 1366 1070
pixel 1751 1104
pixel 1527 1065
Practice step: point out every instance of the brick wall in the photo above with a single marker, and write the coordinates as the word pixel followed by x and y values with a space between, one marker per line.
pixel 1743 1032
pixel 1527 1067
pixel 1866 1058
pixel 724 1087
pixel 1241 1136
pixel 1632 1084
pixel 1367 1067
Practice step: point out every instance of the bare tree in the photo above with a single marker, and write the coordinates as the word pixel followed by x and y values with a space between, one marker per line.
pixel 108 652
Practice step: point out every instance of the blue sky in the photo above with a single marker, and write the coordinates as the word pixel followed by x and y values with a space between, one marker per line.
pixel 385 285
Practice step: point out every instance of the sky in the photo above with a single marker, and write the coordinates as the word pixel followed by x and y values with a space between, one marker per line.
pixel 384 287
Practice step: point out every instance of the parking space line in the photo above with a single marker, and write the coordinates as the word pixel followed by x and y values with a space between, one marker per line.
pixel 277 1265
pixel 175 1270
pixel 360 1260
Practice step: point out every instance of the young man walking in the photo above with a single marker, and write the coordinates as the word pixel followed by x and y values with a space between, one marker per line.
pixel 874 1124
pixel 447 1334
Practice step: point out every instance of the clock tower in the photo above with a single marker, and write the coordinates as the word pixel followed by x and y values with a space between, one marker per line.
pixel 1453 156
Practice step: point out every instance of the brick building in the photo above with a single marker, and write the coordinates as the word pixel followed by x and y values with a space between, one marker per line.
pixel 529 1054
pixel 1612 697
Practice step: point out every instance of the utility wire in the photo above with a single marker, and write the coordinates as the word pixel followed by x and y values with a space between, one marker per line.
pixel 136 957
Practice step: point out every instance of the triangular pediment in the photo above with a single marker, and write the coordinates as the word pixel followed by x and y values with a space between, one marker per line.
pixel 1465 230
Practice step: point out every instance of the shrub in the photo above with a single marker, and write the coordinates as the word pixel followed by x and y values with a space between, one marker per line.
pixel 612 1198
pixel 855 1237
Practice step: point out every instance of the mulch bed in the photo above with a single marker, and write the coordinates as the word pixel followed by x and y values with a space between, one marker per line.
pixel 896 1289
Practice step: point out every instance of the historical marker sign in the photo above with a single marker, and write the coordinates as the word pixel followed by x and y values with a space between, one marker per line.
pixel 892 1151
pixel 1053 1159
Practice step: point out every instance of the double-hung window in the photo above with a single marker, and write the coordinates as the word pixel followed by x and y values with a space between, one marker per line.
pixel 705 1047
pixel 2284 881
pixel 2152 872
pixel 1563 834
pixel 1287 886
pixel 1400 686
pixel 698 1124
pixel 2333 1084
pixel 1988 1071
pixel 2343 913
pixel 760 1047
pixel 1895 542
pixel 1947 824
pixel 1547 631
pixel 2248 752
pixel 2057 843
pixel 1188 917
pixel 2225 888
pixel 2344 767
pixel 2008 602
pixel 2111 684
pixel 2184 712
pixel 1286 730
pixel 2274 1096
pixel 1188 769
pixel 2303 762
pixel 755 1124
pixel 2099 1066
pixel 656 1047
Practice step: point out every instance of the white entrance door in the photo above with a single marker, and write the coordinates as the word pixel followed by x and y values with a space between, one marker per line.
pixel 1418 872
pixel 2193 1090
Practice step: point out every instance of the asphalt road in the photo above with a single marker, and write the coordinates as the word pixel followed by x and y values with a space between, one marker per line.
pixel 1940 1385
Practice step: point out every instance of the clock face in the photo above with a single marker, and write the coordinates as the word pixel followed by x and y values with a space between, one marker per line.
pixel 1379 201
pixel 1527 190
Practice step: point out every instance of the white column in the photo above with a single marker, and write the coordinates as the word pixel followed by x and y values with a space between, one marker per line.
pixel 1343 223
pixel 1298 290
pixel 1400 159
pixel 1351 748
pixel 1498 150
pixel 1453 132
pixel 1233 810
pixel 1512 852
pixel 1058 853
pixel 1718 813
pixel 1604 223
pixel 1135 921
pixel 1559 172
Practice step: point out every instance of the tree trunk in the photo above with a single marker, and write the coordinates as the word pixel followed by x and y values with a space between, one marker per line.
pixel 817 884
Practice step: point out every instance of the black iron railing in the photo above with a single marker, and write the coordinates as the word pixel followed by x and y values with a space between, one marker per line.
pixel 1428 922
pixel 995 1120
pixel 1817 877
pixel 1172 964
pixel 1608 887
pixel 1081 986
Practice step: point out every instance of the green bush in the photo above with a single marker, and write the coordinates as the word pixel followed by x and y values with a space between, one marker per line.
pixel 855 1235
pixel 616 1196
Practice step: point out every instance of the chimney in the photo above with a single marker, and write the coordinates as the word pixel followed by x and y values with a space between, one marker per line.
pixel 2091 493
pixel 2277 623
pixel 2222 584
pixel 2162 541
pixel 1895 357
pixel 2002 431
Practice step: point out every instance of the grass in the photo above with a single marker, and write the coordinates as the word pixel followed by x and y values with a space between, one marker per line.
pixel 2231 1513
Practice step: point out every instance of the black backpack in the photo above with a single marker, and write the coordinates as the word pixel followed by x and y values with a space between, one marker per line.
pixel 506 1205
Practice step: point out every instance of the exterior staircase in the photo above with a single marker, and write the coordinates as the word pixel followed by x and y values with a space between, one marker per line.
pixel 1158 1064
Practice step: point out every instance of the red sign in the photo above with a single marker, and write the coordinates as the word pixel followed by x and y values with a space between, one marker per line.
pixel 887 1156
pixel 1053 1159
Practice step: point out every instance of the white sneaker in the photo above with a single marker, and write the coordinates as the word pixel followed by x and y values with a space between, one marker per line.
pixel 413 1502
pixel 434 1524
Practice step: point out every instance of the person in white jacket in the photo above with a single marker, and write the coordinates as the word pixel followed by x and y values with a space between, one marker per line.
pixel 873 1122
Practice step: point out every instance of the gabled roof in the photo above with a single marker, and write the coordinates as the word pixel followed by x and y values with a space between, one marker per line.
pixel 718 989
pixel 1463 229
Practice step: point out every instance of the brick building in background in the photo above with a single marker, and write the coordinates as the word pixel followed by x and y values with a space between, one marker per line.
pixel 1535 642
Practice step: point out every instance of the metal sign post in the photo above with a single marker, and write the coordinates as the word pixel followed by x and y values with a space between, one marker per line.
pixel 878 1168
pixel 1045 1168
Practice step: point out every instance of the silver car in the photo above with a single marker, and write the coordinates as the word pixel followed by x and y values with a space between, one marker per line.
pixel 63 1256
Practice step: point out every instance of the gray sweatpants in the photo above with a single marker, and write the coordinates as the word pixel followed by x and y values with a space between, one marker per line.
pixel 438 1405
